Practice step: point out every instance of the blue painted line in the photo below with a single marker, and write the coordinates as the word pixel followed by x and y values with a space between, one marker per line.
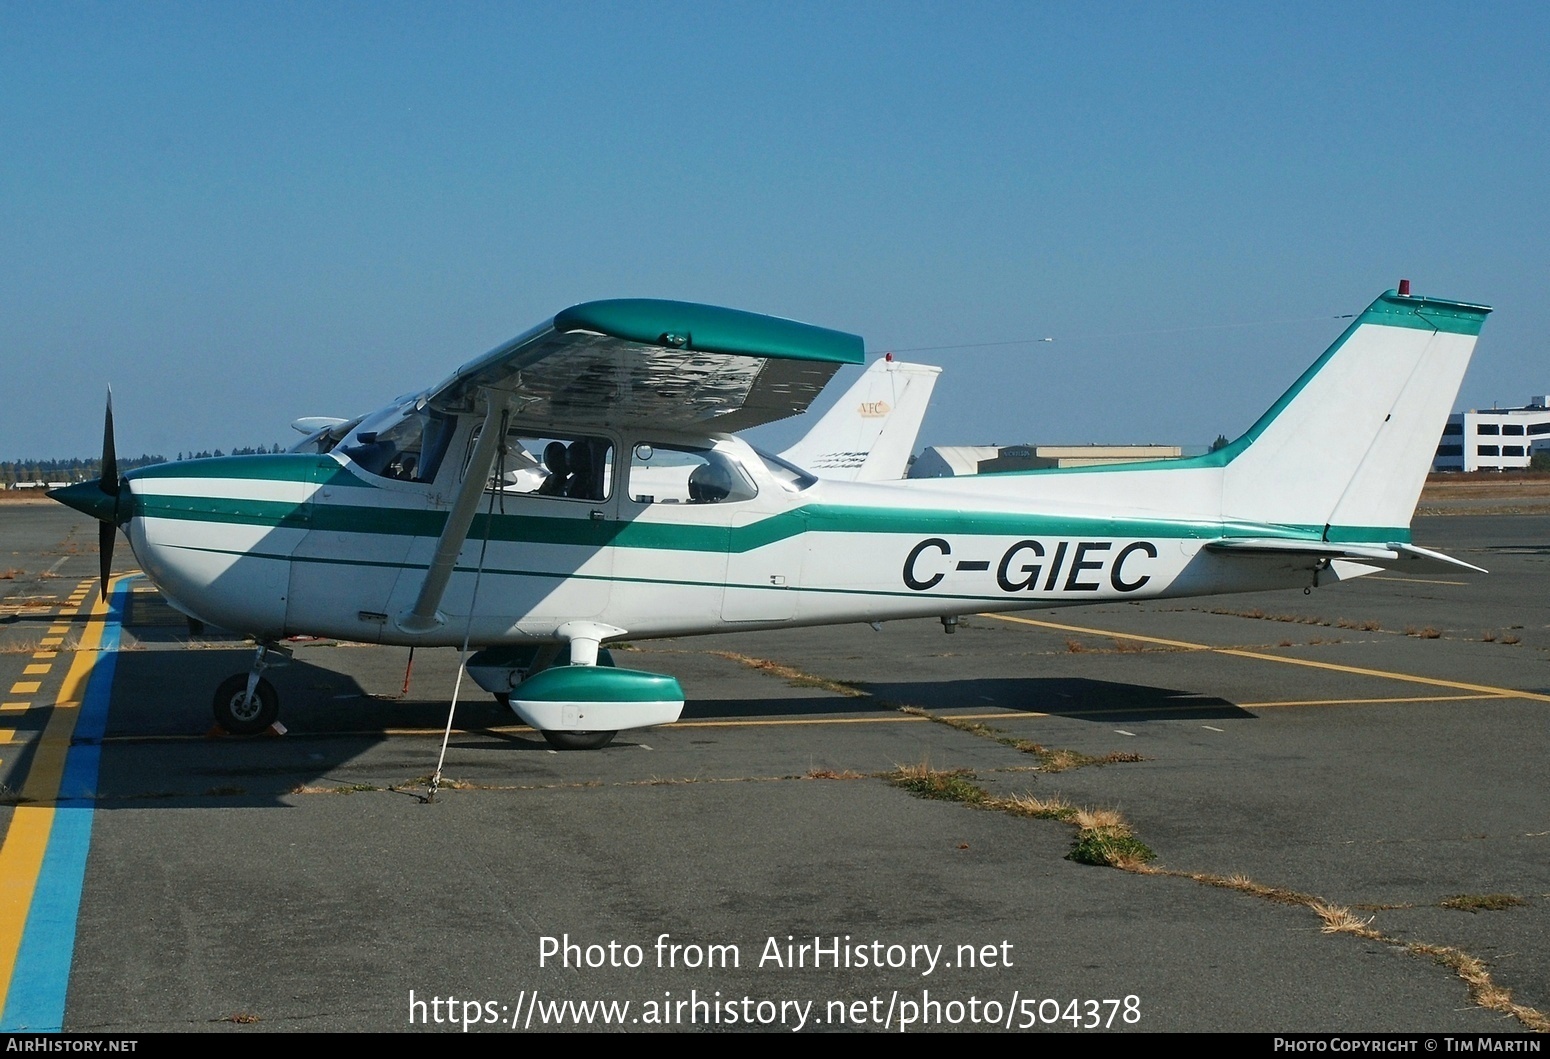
pixel 42 974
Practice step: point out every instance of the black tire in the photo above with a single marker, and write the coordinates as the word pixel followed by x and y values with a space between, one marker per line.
pixel 240 718
pixel 579 740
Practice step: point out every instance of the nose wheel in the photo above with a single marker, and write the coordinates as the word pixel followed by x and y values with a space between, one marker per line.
pixel 241 712
pixel 246 703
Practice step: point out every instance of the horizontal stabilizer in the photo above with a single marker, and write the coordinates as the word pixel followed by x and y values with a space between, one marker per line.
pixel 313 424
pixel 1387 556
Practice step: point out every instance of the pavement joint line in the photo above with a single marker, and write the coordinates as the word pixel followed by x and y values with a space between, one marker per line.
pixel 1260 656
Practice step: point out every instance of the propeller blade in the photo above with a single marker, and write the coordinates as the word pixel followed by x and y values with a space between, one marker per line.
pixel 108 480
pixel 106 532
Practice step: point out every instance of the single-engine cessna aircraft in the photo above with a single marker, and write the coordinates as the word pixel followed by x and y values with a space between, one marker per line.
pixel 582 483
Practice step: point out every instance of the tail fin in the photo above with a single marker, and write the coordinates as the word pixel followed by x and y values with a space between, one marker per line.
pixel 1349 445
pixel 870 432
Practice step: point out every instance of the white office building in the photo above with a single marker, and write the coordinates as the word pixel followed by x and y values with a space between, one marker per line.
pixel 1494 439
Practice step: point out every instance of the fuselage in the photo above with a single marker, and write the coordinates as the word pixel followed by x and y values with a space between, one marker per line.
pixel 337 543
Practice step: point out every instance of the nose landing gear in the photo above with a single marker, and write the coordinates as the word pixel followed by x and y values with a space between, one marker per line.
pixel 246 703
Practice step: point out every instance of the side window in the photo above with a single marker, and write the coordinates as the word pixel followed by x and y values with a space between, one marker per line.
pixel 409 450
pixel 677 474
pixel 580 468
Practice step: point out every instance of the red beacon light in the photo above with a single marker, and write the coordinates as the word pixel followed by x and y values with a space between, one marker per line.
pixel 1404 288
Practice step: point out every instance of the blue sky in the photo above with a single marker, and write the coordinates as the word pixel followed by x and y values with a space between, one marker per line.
pixel 239 214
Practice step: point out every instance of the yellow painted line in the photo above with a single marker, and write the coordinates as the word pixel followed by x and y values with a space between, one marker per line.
pixel 59 630
pixel 45 654
pixel 15 705
pixel 1260 656
pixel 21 855
pixel 7 735
pixel 26 687
pixel 36 670
pixel 890 719
pixel 51 641
pixel 21 859
pixel 1366 702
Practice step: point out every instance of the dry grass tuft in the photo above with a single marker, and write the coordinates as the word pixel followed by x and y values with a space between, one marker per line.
pixel 1481 902
pixel 830 774
pixel 1056 808
pixel 1100 819
pixel 1103 837
pixel 1340 920
pixel 1076 647
pixel 1050 759
pixel 1511 639
pixel 1482 990
pixel 11 574
pixel 947 785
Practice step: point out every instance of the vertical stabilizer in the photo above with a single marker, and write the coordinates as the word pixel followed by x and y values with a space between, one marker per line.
pixel 870 432
pixel 1348 447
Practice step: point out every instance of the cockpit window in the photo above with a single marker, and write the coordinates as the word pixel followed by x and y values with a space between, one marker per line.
pixel 580 468
pixel 679 474
pixel 407 447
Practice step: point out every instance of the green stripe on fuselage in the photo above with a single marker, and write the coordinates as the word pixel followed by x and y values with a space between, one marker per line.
pixel 276 467
pixel 814 518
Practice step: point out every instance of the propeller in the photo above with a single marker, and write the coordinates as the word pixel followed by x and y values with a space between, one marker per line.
pixel 103 499
pixel 108 482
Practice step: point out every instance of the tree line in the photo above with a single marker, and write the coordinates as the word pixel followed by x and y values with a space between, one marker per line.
pixel 83 469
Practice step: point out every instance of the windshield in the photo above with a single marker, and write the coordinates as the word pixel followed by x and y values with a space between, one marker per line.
pixel 406 444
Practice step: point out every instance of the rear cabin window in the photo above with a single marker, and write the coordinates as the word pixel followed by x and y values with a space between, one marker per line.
pixel 677 474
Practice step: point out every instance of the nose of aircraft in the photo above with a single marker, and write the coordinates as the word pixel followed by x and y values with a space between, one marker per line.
pixel 89 498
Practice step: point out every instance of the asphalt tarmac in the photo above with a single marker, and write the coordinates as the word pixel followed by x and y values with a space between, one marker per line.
pixel 1376 748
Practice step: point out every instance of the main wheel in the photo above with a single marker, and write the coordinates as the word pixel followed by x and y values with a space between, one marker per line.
pixel 579 740
pixel 245 718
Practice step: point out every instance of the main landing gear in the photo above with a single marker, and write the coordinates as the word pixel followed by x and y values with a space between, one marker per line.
pixel 510 666
pixel 571 692
pixel 246 703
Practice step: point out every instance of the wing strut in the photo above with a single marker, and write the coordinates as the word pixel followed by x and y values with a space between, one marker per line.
pixel 423 616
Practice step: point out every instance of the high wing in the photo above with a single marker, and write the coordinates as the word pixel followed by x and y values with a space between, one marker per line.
pixel 673 365
pixel 622 363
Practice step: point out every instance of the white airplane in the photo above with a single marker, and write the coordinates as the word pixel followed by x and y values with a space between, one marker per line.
pixel 413 530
